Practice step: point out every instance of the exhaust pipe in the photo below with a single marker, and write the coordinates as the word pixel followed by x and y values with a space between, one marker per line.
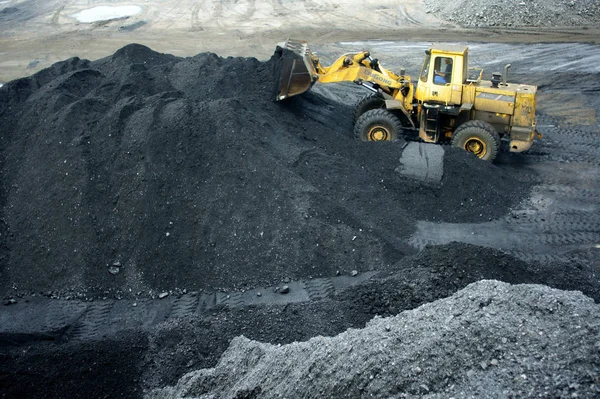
pixel 505 75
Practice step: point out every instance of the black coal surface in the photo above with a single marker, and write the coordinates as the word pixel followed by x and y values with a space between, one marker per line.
pixel 436 272
pixel 135 361
pixel 97 369
pixel 183 173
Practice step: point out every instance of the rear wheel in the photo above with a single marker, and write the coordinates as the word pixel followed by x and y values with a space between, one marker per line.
pixel 367 103
pixel 479 138
pixel 377 125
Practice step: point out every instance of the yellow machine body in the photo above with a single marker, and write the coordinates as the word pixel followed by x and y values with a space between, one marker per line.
pixel 508 107
pixel 448 93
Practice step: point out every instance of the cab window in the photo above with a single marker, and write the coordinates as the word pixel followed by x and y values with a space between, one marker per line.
pixel 442 70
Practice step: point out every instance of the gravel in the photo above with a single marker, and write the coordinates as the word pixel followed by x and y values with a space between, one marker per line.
pixel 517 13
pixel 488 340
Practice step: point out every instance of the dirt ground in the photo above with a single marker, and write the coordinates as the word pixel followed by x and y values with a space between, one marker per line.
pixel 38 34
pixel 108 295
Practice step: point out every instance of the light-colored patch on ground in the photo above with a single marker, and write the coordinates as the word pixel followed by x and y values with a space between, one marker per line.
pixel 106 13
pixel 423 162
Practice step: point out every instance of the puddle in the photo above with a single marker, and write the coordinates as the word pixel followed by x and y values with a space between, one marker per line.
pixel 104 13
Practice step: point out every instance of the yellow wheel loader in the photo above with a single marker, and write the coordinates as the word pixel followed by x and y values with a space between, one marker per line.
pixel 449 102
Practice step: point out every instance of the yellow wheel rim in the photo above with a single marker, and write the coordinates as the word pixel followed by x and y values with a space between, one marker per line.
pixel 476 146
pixel 378 133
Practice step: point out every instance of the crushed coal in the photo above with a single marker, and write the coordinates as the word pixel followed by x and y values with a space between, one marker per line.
pixel 186 173
pixel 156 357
pixel 439 271
pixel 97 369
pixel 490 339
pixel 435 273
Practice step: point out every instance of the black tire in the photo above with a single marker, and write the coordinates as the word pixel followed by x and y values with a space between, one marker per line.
pixel 367 103
pixel 378 125
pixel 478 137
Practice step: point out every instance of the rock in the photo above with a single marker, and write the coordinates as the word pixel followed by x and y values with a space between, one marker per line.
pixel 285 289
pixel 354 273
pixel 163 295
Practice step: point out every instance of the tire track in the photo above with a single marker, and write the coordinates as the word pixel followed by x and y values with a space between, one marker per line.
pixel 56 16
pixel 57 315
pixel 559 223
pixel 196 24
pixel 92 322
pixel 185 305
pixel 404 14
pixel 319 288
pixel 76 320
pixel 165 15
pixel 206 302
pixel 233 299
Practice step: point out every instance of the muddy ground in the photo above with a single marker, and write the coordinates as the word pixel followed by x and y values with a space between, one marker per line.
pixel 154 207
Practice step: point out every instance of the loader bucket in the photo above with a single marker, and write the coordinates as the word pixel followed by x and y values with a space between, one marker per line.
pixel 295 68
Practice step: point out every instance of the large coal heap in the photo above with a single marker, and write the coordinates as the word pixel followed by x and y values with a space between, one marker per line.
pixel 144 172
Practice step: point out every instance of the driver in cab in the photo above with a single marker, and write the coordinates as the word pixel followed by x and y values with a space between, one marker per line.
pixel 446 76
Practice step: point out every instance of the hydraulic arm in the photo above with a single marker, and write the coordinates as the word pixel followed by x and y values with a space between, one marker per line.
pixel 300 69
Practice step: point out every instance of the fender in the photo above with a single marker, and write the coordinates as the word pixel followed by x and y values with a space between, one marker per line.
pixel 397 105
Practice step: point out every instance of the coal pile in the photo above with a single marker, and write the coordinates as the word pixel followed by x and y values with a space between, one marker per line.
pixel 439 271
pixel 489 340
pixel 435 273
pixel 144 172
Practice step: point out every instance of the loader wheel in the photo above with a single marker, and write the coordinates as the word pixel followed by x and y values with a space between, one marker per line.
pixel 478 137
pixel 367 103
pixel 377 125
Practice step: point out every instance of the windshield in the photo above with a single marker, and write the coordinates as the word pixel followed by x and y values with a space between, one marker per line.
pixel 425 68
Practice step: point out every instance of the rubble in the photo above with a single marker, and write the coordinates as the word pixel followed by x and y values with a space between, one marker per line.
pixel 517 13
pixel 482 341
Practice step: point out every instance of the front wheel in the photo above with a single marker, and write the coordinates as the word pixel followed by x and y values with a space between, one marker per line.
pixel 367 103
pixel 479 138
pixel 378 125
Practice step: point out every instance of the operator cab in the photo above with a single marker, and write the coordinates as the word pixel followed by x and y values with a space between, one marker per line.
pixel 442 74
